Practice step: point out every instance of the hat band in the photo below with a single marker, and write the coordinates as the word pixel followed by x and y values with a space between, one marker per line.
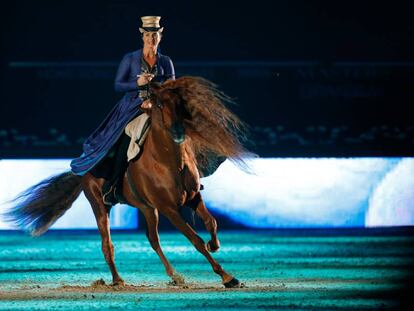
pixel 151 28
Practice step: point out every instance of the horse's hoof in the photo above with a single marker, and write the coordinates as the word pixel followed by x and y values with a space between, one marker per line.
pixel 178 279
pixel 233 283
pixel 120 283
pixel 212 248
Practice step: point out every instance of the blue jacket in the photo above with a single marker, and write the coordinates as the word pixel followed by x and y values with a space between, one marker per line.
pixel 97 145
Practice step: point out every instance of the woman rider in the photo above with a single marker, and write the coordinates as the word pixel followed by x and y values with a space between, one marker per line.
pixel 104 151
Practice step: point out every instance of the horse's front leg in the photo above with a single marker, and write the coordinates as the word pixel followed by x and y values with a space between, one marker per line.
pixel 210 222
pixel 151 217
pixel 176 219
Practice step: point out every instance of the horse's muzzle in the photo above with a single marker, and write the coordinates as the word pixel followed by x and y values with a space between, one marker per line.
pixel 177 132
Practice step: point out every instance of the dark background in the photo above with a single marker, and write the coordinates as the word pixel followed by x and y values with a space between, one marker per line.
pixel 311 78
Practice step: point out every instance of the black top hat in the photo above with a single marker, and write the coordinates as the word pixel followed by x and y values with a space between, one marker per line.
pixel 151 23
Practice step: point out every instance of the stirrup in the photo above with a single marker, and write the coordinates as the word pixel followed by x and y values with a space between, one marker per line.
pixel 109 197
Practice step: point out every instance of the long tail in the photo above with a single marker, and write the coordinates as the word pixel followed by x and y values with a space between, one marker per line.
pixel 38 207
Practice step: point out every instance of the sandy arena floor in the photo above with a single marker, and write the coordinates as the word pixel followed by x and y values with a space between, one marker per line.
pixel 67 271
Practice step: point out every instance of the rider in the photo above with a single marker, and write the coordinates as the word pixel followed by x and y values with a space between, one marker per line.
pixel 104 151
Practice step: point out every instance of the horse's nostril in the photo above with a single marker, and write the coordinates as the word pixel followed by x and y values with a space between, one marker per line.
pixel 179 140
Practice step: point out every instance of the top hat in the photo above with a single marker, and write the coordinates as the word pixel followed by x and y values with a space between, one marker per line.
pixel 151 23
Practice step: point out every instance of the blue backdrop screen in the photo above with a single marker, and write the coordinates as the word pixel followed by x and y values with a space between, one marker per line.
pixel 279 192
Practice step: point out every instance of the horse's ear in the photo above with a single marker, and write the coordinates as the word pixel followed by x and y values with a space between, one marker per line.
pixel 155 87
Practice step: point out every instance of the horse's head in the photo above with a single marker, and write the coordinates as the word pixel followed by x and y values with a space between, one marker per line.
pixel 168 110
pixel 198 106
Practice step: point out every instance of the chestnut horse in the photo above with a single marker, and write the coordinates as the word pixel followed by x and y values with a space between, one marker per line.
pixel 190 127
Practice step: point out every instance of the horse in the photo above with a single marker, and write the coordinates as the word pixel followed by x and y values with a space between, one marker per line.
pixel 191 126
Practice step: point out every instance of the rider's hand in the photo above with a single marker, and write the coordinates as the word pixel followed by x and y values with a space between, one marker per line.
pixel 146 104
pixel 145 78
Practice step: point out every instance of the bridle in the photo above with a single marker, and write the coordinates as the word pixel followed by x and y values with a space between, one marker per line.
pixel 176 130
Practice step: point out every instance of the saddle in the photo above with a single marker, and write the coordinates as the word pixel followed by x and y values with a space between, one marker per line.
pixel 137 130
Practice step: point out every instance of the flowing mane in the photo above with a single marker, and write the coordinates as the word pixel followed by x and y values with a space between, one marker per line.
pixel 211 126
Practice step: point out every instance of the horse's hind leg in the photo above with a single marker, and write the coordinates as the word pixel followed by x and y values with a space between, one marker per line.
pixel 209 221
pixel 151 217
pixel 92 188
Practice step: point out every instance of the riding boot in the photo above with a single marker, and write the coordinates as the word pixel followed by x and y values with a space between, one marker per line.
pixel 119 165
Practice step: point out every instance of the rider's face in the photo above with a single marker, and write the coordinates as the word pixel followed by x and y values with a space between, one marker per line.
pixel 151 38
